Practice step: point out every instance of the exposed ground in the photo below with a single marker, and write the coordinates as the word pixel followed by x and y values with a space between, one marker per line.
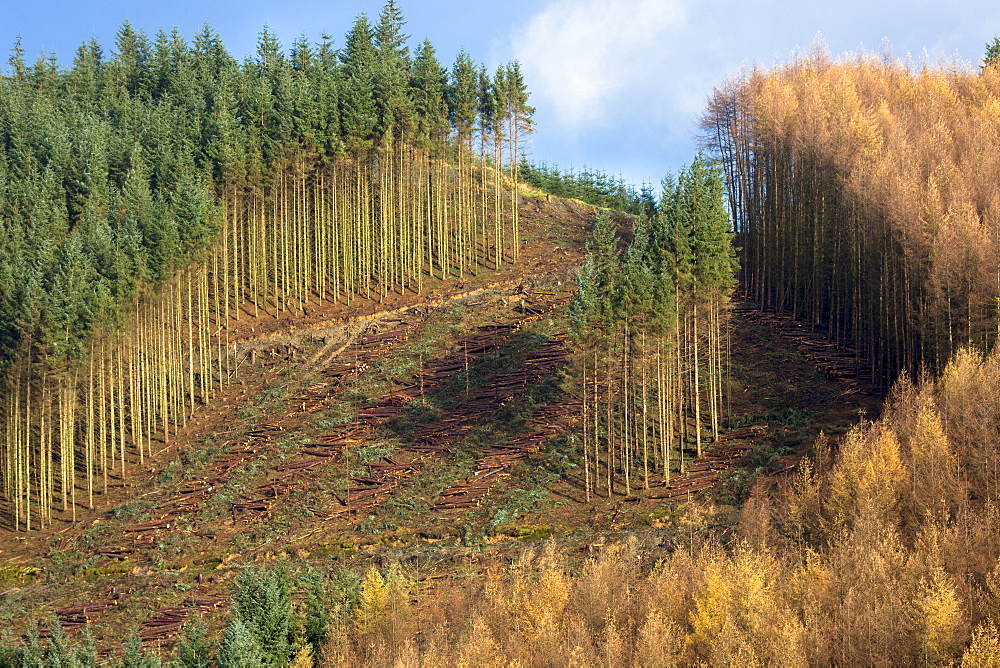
pixel 428 429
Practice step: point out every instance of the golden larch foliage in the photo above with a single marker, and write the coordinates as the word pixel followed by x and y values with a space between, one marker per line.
pixel 373 600
pixel 739 617
pixel 941 618
pixel 864 194
pixel 867 479
pixel 933 466
pixel 984 652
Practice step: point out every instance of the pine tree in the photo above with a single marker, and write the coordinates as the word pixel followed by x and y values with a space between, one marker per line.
pixel 598 282
pixel 86 78
pixel 358 110
pixel 194 650
pixel 18 68
pixel 428 83
pixel 992 55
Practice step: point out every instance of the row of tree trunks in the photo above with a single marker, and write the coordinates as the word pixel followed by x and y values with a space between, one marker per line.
pixel 366 225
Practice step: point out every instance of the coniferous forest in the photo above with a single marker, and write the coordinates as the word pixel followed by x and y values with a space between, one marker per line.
pixel 864 198
pixel 593 187
pixel 154 195
pixel 649 325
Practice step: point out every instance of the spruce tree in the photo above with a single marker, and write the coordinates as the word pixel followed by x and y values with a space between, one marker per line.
pixel 391 72
pixel 428 83
pixel 262 609
pixel 992 55
pixel 317 622
pixel 358 109
pixel 463 88
pixel 136 657
pixel 239 647
pixel 131 75
pixel 194 650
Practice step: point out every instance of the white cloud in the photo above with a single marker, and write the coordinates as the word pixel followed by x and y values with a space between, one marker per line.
pixel 584 58
pixel 619 84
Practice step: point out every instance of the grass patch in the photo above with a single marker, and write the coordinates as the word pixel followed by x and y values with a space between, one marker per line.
pixel 16 574
pixel 518 502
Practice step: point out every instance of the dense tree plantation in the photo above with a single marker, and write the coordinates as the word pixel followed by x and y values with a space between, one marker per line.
pixel 649 324
pixel 153 196
pixel 592 186
pixel 864 198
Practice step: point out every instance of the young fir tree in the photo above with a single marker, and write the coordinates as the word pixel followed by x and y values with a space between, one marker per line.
pixel 135 656
pixel 358 109
pixel 262 609
pixel 391 73
pixel 316 625
pixel 194 649
pixel 428 83
pixel 239 648
pixel 598 280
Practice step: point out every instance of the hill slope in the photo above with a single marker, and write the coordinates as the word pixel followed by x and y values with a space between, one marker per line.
pixel 421 429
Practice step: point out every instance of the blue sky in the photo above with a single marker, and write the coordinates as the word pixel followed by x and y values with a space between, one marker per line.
pixel 618 84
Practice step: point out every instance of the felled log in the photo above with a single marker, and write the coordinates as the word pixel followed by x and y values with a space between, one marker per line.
pixel 148 526
pixel 299 464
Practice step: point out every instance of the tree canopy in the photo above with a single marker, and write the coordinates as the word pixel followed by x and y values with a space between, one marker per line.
pixel 110 168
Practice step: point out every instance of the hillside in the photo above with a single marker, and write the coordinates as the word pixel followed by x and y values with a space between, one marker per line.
pixel 154 200
pixel 303 363
pixel 429 431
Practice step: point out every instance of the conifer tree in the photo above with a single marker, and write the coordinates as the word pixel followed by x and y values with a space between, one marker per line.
pixel 194 650
pixel 992 55
pixel 428 83
pixel 129 64
pixel 239 648
pixel 262 606
pixel 358 110
pixel 391 74
pixel 463 97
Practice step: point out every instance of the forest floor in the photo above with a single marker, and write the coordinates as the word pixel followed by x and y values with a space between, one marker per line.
pixel 427 429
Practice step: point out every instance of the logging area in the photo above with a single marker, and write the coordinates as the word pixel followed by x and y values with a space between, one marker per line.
pixel 430 430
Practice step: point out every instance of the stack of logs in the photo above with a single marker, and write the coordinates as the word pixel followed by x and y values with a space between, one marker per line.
pixel 840 363
pixel 165 623
pixel 75 617
pixel 704 472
